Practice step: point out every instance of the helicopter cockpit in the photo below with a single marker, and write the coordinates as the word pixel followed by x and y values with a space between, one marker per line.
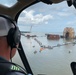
pixel 48 38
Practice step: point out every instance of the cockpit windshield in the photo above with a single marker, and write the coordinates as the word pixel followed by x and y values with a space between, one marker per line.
pixel 8 3
pixel 48 37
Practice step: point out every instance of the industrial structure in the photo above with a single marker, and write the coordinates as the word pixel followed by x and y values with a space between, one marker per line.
pixel 69 33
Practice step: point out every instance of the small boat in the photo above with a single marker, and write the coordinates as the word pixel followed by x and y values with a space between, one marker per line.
pixel 28 36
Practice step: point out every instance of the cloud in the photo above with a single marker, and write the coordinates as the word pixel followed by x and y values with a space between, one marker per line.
pixel 31 18
pixel 71 22
pixel 63 14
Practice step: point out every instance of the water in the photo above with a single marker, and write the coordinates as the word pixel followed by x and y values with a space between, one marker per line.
pixel 54 61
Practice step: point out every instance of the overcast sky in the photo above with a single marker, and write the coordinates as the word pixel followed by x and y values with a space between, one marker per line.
pixel 46 18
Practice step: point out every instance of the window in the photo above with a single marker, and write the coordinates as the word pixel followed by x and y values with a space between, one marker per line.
pixel 48 56
pixel 8 2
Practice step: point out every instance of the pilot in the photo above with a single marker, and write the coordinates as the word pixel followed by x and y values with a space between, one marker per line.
pixel 9 40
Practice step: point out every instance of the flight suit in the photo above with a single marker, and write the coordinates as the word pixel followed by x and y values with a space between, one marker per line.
pixel 7 68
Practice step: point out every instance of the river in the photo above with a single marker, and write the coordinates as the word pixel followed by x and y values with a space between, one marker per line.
pixel 55 61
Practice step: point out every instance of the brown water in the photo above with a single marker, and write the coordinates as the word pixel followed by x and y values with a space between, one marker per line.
pixel 54 61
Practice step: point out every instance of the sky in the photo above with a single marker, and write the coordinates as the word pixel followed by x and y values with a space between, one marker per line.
pixel 41 17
